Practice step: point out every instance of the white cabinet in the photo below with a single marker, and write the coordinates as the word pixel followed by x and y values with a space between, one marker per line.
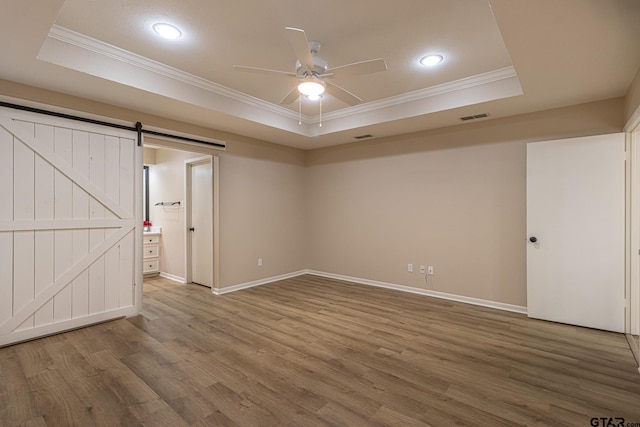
pixel 151 254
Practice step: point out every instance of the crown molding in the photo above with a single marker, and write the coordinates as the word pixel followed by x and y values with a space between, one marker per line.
pixel 90 44
pixel 421 94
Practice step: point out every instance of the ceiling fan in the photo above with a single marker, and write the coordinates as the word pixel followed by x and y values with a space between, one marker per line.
pixel 312 71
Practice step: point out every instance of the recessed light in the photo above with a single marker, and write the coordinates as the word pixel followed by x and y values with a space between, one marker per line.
pixel 167 31
pixel 431 60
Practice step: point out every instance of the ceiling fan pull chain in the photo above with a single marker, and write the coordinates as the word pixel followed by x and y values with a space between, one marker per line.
pixel 320 111
pixel 300 110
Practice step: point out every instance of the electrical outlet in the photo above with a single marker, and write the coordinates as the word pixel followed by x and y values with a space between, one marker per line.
pixel 422 269
pixel 410 268
pixel 259 262
pixel 430 270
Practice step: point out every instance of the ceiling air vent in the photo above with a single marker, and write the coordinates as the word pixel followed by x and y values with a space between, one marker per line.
pixel 476 116
pixel 363 136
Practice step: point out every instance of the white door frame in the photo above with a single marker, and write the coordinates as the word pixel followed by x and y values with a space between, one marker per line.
pixel 188 164
pixel 632 285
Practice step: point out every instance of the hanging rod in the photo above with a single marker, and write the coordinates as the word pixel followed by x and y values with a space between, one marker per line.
pixel 137 128
pixel 168 203
pixel 67 116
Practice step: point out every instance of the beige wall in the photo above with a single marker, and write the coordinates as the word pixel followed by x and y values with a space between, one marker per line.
pixel 261 195
pixel 632 99
pixel 261 192
pixel 149 156
pixel 452 198
pixel 261 216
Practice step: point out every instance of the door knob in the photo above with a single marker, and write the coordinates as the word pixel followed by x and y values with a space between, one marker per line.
pixel 192 229
pixel 533 239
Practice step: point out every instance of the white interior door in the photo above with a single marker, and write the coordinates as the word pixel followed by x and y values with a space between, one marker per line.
pixel 201 229
pixel 576 211
pixel 68 196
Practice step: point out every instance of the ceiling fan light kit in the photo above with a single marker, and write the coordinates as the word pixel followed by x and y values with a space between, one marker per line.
pixel 311 87
pixel 313 71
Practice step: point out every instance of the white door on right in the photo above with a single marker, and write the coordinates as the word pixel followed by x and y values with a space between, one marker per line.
pixel 576 231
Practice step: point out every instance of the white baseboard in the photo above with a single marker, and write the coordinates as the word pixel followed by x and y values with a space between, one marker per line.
pixel 226 290
pixel 443 295
pixel 172 277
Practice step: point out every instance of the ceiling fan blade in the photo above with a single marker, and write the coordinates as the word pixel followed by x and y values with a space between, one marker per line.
pixel 262 70
pixel 300 45
pixel 364 67
pixel 342 94
pixel 292 96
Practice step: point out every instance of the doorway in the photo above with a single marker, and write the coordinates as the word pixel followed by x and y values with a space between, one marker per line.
pixel 174 210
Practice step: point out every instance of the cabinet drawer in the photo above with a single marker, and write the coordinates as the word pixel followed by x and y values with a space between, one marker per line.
pixel 151 239
pixel 150 266
pixel 150 251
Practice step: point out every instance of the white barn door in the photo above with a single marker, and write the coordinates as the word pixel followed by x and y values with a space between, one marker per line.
pixel 68 203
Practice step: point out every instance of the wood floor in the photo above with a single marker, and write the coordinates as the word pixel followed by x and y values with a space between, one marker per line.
pixel 312 351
